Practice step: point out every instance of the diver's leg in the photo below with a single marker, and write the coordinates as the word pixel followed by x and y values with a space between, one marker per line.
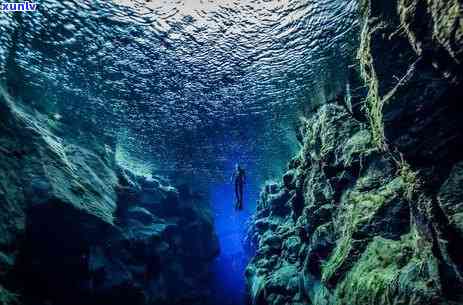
pixel 240 206
pixel 237 195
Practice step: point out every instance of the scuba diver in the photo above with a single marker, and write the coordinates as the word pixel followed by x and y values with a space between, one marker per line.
pixel 239 177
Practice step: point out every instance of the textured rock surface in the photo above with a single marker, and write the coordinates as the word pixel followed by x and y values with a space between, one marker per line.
pixel 451 198
pixel 75 228
pixel 370 212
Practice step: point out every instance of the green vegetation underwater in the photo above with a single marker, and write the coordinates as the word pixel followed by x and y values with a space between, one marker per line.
pixel 231 152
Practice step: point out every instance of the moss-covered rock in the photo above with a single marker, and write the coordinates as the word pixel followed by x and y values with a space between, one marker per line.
pixel 350 195
pixel 8 298
pixel 435 28
pixel 410 65
pixel 451 197
pixel 379 218
pixel 358 240
pixel 391 272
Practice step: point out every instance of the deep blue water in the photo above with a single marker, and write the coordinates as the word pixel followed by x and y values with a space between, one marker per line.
pixel 229 283
pixel 231 227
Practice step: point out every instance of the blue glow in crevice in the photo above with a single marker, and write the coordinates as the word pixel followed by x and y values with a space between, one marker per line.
pixel 231 228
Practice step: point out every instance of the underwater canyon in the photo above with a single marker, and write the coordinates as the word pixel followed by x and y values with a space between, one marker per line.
pixel 121 123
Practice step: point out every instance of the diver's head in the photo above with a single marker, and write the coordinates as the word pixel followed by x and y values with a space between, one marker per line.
pixel 237 166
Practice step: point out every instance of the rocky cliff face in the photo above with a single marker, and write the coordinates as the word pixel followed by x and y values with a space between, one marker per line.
pixel 370 209
pixel 75 228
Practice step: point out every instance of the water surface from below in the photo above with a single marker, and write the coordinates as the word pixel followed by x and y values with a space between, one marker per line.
pixel 182 85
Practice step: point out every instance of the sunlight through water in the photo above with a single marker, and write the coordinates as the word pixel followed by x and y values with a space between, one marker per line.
pixel 174 80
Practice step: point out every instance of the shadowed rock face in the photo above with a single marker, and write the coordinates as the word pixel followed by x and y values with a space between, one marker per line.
pixel 369 212
pixel 78 229
pixel 159 250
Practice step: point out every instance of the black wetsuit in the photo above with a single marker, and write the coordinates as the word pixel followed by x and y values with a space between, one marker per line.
pixel 239 177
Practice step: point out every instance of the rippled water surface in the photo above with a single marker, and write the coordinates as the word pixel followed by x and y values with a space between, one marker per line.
pixel 185 86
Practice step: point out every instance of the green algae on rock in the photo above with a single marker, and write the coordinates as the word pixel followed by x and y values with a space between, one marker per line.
pixel 391 272
pixel 380 215
pixel 8 298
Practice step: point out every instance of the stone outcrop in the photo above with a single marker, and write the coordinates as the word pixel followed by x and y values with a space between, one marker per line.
pixel 76 228
pixel 369 211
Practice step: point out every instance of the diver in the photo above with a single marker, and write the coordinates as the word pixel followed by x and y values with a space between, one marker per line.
pixel 239 177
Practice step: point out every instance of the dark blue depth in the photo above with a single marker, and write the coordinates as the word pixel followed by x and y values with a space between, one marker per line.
pixel 231 227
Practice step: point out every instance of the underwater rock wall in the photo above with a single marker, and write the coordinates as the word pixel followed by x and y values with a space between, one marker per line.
pixel 369 211
pixel 75 228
